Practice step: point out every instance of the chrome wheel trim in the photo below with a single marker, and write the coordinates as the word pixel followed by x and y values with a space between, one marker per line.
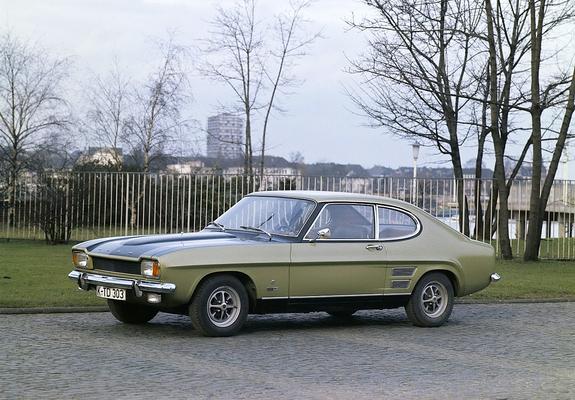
pixel 223 306
pixel 434 299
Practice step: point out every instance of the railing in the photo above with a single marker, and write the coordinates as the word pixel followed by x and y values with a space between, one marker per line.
pixel 81 206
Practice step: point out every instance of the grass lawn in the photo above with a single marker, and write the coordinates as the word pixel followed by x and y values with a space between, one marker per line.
pixel 34 274
pixel 533 280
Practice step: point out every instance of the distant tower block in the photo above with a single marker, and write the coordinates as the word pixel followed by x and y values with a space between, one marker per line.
pixel 225 136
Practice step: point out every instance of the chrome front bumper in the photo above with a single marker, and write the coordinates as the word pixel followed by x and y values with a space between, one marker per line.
pixel 85 279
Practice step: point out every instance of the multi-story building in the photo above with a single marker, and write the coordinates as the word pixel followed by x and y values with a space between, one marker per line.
pixel 225 136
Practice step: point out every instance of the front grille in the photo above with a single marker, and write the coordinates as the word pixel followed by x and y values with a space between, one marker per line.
pixel 107 264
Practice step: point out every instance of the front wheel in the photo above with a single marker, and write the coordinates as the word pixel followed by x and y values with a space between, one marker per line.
pixel 431 302
pixel 131 313
pixel 220 306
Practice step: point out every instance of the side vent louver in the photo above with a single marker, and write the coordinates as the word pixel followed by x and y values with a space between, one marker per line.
pixel 403 271
pixel 399 284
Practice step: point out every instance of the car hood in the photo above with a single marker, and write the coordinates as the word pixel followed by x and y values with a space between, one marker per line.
pixel 158 245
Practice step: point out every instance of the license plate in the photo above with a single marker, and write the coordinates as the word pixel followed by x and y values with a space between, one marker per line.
pixel 111 293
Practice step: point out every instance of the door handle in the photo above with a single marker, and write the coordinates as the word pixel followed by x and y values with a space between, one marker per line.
pixel 377 247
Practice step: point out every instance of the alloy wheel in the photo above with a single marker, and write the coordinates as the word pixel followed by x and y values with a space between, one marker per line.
pixel 434 299
pixel 224 306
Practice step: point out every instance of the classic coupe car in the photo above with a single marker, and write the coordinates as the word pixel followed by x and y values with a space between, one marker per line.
pixel 289 251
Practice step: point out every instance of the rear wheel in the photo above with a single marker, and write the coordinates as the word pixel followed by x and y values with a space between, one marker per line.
pixel 431 302
pixel 220 306
pixel 131 313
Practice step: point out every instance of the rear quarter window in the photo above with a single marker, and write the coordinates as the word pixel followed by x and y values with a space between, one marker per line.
pixel 395 224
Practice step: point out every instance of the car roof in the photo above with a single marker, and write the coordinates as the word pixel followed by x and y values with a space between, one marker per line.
pixel 325 196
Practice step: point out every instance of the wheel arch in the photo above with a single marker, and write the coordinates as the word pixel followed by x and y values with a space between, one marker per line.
pixel 244 278
pixel 452 276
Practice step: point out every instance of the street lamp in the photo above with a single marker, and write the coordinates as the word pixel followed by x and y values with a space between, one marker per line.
pixel 415 149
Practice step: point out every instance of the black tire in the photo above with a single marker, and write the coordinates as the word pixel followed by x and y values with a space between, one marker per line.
pixel 210 308
pixel 342 313
pixel 431 302
pixel 130 313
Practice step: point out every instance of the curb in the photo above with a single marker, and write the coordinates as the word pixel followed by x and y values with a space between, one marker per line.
pixel 89 309
pixel 515 301
pixel 52 310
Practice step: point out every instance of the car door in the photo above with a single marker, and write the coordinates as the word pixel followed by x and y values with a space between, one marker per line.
pixel 339 255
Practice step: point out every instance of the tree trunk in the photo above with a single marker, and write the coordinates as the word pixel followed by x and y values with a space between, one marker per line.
pixel 248 156
pixel 479 226
pixel 498 144
pixel 262 159
pixel 536 211
pixel 479 233
pixel 461 198
pixel 146 166
pixel 503 219
pixel 13 185
pixel 534 242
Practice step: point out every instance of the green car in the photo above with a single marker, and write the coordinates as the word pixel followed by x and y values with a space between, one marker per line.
pixel 290 251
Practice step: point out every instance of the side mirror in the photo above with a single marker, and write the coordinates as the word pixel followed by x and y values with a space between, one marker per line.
pixel 324 233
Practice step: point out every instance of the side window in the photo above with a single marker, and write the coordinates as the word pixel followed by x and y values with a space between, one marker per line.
pixel 394 224
pixel 345 221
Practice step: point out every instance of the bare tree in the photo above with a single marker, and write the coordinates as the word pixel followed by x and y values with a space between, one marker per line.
pixel 482 132
pixel 291 46
pixel 238 37
pixel 419 75
pixel 248 64
pixel 155 117
pixel 56 189
pixel 108 104
pixel 31 104
pixel 542 99
pixel 509 42
pixel 418 52
pixel 499 172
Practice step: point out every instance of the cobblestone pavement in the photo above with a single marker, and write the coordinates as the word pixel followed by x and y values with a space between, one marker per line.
pixel 494 351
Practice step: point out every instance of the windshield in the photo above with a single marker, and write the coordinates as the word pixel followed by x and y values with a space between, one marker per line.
pixel 276 215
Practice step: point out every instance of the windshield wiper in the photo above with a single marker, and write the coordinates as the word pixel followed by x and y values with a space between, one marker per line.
pixel 217 225
pixel 264 222
pixel 253 228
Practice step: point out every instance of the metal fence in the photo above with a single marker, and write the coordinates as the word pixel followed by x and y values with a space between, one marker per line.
pixel 86 205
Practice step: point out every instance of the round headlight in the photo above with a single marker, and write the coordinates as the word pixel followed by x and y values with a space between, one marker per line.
pixel 80 259
pixel 150 268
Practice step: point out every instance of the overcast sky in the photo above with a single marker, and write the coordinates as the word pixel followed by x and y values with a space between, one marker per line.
pixel 320 121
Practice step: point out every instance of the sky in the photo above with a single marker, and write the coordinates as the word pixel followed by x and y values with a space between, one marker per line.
pixel 320 120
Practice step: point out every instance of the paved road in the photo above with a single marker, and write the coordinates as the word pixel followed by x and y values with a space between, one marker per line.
pixel 492 351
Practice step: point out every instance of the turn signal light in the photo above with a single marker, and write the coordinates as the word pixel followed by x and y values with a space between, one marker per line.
pixel 80 259
pixel 151 268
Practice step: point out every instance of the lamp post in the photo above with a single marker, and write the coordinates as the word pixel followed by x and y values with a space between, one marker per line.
pixel 415 149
